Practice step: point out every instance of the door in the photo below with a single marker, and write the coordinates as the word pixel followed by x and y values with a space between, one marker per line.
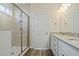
pixel 39 31
pixel 24 31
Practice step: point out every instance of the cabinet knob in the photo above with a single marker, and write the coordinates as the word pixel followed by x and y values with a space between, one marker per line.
pixel 12 53
pixel 46 33
pixel 62 54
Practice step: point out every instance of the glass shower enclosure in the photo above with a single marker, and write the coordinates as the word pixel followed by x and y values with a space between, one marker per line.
pixel 13 30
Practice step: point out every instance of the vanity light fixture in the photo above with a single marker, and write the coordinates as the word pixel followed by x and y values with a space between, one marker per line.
pixel 64 7
pixel 69 5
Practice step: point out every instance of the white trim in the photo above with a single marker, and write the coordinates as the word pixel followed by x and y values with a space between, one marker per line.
pixel 24 52
pixel 40 48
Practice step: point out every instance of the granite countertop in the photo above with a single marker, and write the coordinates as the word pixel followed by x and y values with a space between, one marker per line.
pixel 72 40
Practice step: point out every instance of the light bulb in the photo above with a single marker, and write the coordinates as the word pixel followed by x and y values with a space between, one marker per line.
pixel 62 9
pixel 68 4
pixel 63 5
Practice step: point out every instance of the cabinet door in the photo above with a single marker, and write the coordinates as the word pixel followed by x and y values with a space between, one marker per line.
pixel 61 52
pixel 54 45
pixel 24 31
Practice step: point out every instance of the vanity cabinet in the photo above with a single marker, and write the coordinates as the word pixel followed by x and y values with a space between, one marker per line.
pixel 61 52
pixel 67 49
pixel 76 22
pixel 54 45
pixel 62 48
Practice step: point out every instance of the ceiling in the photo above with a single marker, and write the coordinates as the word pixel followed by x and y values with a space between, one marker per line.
pixel 39 7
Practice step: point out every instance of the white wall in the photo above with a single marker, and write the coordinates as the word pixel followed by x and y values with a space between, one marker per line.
pixel 5 43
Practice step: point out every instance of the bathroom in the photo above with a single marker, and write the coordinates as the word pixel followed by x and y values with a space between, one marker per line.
pixel 39 29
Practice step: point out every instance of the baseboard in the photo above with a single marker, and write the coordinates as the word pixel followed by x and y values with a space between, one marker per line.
pixel 40 48
pixel 22 54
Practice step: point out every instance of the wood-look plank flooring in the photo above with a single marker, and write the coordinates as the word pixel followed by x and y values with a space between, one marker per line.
pixel 34 52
